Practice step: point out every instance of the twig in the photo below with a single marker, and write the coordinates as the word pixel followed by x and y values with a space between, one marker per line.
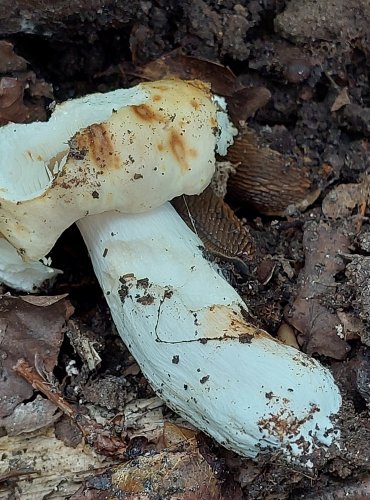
pixel 361 215
pixel 16 474
pixel 103 441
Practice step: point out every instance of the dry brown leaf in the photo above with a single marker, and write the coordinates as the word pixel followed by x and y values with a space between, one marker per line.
pixel 267 180
pixel 9 61
pixel 11 100
pixel 27 331
pixel 243 103
pixel 341 100
pixel 30 416
pixel 43 300
pixel 343 199
pixel 320 330
pixel 217 226
pixel 17 86
pixel 173 434
pixel 176 64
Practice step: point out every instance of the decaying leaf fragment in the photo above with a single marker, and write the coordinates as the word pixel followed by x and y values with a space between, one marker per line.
pixel 27 331
pixel 179 472
pixel 21 92
pixel 176 64
pixel 320 329
pixel 242 101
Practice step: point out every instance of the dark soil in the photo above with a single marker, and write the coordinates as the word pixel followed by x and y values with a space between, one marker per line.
pixel 314 59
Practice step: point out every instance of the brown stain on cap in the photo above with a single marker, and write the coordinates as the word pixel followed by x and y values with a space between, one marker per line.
pixel 179 150
pixel 97 141
pixel 147 114
pixel 195 103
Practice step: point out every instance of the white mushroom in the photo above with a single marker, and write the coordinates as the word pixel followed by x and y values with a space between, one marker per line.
pixel 131 150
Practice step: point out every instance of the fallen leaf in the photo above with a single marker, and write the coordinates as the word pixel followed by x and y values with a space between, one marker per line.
pixel 43 300
pixel 341 100
pixel 27 331
pixel 9 60
pixel 343 199
pixel 244 103
pixel 286 335
pixel 11 100
pixel 173 435
pixel 176 64
pixel 30 416
pixel 320 329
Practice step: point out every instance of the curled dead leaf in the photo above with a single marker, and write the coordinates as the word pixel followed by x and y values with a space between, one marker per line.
pixel 176 64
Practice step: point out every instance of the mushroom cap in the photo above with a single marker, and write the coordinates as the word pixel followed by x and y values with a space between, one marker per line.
pixel 127 150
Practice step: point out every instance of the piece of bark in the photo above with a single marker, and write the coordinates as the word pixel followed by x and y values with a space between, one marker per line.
pixel 180 472
pixel 267 180
pixel 320 330
pixel 59 470
pixel 217 226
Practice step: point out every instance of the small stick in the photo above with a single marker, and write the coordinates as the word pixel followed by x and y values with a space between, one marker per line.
pixel 102 440
pixel 361 215
pixel 25 370
pixel 16 474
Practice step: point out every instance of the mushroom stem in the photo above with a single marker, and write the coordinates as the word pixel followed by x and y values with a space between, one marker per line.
pixel 187 328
